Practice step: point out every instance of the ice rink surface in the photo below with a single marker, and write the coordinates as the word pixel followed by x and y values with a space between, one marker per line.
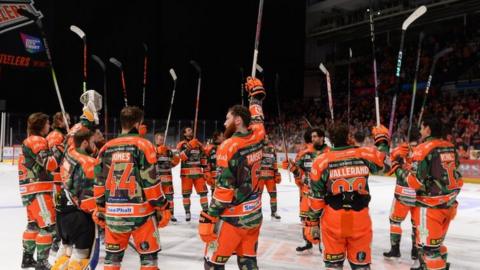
pixel 182 248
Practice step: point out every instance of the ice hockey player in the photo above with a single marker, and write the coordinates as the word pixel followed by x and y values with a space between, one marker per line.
pixel 35 167
pixel 129 197
pixel 75 204
pixel 232 222
pixel 193 162
pixel 211 153
pixel 269 175
pixel 56 142
pixel 434 176
pixel 315 138
pixel 403 203
pixel 339 187
pixel 166 160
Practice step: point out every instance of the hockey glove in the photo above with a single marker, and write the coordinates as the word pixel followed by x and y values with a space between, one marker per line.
pixel 398 156
pixel 162 150
pixel 278 178
pixel 98 216
pixel 194 143
pixel 311 231
pixel 380 134
pixel 163 217
pixel 209 179
pixel 142 130
pixel 206 227
pixel 255 88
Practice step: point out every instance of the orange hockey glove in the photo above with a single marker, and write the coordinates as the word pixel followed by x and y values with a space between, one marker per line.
pixel 311 231
pixel 278 178
pixel 206 227
pixel 398 156
pixel 380 134
pixel 255 88
pixel 208 178
pixel 98 216
pixel 162 150
pixel 194 143
pixel 163 217
pixel 142 130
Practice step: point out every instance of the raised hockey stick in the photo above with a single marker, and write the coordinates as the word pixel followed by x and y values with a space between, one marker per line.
pixel 39 24
pixel 174 78
pixel 415 15
pixel 429 82
pixel 101 64
pixel 348 83
pixel 242 86
pixel 82 35
pixel 329 89
pixel 197 104
pixel 282 130
pixel 145 66
pixel 375 79
pixel 257 37
pixel 308 122
pixel 414 92
pixel 118 64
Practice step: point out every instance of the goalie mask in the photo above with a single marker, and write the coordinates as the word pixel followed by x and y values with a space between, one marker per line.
pixel 92 104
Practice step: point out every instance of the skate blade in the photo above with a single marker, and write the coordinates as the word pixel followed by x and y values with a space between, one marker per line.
pixel 275 219
pixel 306 252
pixel 393 259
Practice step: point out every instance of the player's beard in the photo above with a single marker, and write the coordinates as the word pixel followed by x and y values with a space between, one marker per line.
pixel 229 131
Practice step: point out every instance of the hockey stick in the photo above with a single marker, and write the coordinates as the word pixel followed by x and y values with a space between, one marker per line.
pixel 145 64
pixel 429 82
pixel 242 78
pixel 375 79
pixel 38 21
pixel 99 61
pixel 415 15
pixel 282 130
pixel 329 88
pixel 349 75
pixel 174 77
pixel 257 37
pixel 308 122
pixel 419 53
pixel 118 64
pixel 82 35
pixel 199 83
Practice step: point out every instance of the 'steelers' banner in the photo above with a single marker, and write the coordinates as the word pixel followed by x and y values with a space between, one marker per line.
pixel 9 17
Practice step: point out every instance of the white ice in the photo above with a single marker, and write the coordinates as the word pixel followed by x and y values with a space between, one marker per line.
pixel 182 249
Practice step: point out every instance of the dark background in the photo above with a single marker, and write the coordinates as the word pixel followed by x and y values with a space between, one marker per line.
pixel 218 34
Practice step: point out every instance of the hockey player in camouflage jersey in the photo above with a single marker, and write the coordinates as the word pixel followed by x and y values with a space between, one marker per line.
pixel 166 160
pixel 434 176
pixel 232 222
pixel 129 197
pixel 301 168
pixel 339 191
pixel 75 204
pixel 269 175
pixel 35 167
pixel 193 161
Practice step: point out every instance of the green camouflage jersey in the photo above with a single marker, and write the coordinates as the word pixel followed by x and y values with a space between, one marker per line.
pixel 193 160
pixel 339 178
pixel 303 163
pixel 269 166
pixel 77 172
pixel 237 196
pixel 434 174
pixel 35 167
pixel 127 183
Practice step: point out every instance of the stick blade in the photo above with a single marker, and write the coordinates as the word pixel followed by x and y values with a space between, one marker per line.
pixel 77 31
pixel 259 68
pixel 196 66
pixel 442 53
pixel 145 47
pixel 323 68
pixel 26 13
pixel 350 52
pixel 173 74
pixel 115 62
pixel 98 61
pixel 415 15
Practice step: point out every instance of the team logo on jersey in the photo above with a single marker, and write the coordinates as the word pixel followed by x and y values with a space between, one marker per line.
pixel 32 44
pixel 361 256
pixel 9 17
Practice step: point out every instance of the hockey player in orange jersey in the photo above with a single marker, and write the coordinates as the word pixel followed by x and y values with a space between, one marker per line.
pixel 193 162
pixel 269 175
pixel 339 188
pixel 35 167
pixel 211 153
pixel 434 176
pixel 233 220
pixel 129 197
